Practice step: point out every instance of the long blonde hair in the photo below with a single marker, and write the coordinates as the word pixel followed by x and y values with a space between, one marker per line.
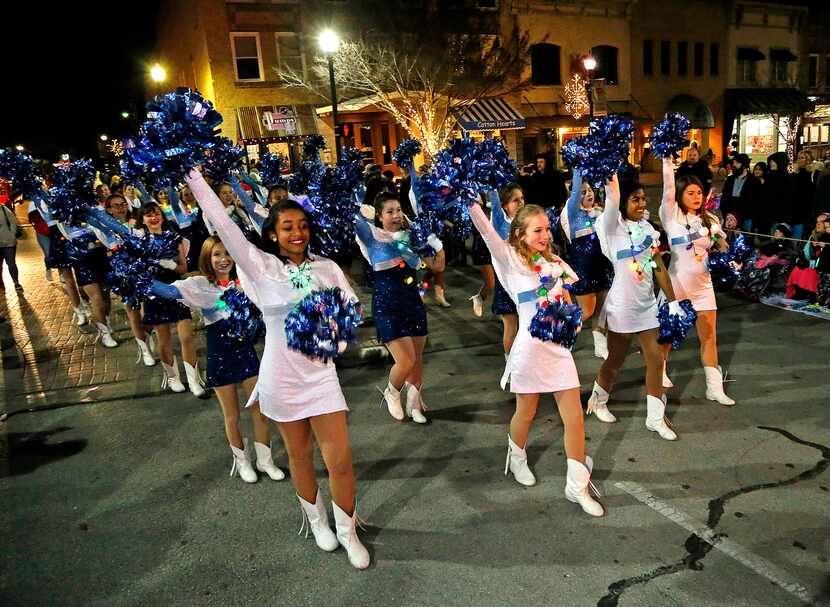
pixel 518 227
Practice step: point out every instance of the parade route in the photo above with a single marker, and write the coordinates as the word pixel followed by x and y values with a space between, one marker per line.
pixel 116 493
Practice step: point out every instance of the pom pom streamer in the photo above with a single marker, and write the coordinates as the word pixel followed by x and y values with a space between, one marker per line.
pixel 405 153
pixel 574 152
pixel 312 147
pixel 670 135
pixel 223 158
pixel 134 264
pixel 72 192
pixel 321 322
pixel 270 169
pixel 19 168
pixel 725 267
pixel 673 327
pixel 557 322
pixel 606 148
pixel 244 323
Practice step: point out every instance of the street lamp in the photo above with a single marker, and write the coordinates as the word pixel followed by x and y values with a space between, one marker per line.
pixel 158 73
pixel 103 137
pixel 19 147
pixel 329 43
pixel 590 64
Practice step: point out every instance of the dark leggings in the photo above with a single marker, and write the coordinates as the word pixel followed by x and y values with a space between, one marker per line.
pixel 7 254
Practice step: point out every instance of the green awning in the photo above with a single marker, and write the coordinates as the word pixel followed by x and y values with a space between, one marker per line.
pixel 694 109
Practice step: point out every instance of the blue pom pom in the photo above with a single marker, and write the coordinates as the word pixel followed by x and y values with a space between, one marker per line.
pixel 670 135
pixel 134 264
pixel 725 267
pixel 19 168
pixel 312 147
pixel 270 169
pixel 244 324
pixel 606 148
pixel 320 321
pixel 557 322
pixel 673 327
pixel 574 152
pixel 331 195
pixel 180 126
pixel 72 192
pixel 405 153
pixel 222 158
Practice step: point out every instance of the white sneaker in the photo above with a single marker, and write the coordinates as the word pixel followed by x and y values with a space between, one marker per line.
pixel 478 305
pixel 598 405
pixel 517 464
pixel 577 485
pixel 656 418
pixel 347 536
pixel 171 377
pixel 265 463
pixel 242 464
pixel 316 519
pixel 414 404
pixel 105 335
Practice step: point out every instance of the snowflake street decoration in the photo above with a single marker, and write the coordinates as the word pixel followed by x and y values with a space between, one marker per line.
pixel 116 148
pixel 576 99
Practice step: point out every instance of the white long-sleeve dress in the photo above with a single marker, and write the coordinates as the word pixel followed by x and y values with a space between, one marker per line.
pixel 291 385
pixel 534 366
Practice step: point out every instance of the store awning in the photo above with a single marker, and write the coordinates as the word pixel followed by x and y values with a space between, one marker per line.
pixel 750 54
pixel 767 101
pixel 269 121
pixel 781 54
pixel 489 114
pixel 694 109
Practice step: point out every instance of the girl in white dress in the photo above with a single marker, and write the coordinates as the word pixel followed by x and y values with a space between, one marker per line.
pixel 630 243
pixel 533 275
pixel 692 231
pixel 302 394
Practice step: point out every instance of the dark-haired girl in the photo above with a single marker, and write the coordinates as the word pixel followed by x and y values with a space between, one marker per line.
pixel 399 312
pixel 163 313
pixel 630 242
pixel 230 363
pixel 692 231
pixel 302 394
pixel 594 270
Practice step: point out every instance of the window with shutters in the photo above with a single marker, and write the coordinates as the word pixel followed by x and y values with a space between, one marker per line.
pixel 290 57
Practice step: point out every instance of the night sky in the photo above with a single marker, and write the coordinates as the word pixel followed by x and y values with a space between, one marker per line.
pixel 69 70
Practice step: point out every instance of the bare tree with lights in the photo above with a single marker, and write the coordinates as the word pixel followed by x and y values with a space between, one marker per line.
pixel 421 80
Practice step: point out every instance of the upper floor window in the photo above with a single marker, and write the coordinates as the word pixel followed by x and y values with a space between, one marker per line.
pixel 682 58
pixel 748 59
pixel 698 59
pixel 606 57
pixel 779 61
pixel 812 71
pixel 290 55
pixel 665 57
pixel 648 57
pixel 247 58
pixel 545 64
pixel 714 59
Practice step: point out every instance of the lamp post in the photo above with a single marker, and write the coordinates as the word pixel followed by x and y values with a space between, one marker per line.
pixel 158 75
pixel 329 43
pixel 590 64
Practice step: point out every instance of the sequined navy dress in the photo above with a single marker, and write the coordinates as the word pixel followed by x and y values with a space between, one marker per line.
pixel 397 307
pixel 229 361
pixel 586 258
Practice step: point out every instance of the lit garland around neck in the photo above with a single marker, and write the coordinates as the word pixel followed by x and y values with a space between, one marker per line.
pixel 549 273
pixel 648 263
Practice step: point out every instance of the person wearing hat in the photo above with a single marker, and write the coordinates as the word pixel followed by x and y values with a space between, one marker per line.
pixel 741 192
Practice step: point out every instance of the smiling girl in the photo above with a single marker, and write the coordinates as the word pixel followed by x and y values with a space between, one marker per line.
pixel 533 275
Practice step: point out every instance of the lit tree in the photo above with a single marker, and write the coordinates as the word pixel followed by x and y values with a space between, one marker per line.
pixel 421 80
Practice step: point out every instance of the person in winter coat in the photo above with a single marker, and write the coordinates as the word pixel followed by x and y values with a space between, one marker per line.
pixel 804 191
pixel 741 194
pixel 8 245
pixel 695 165
pixel 778 191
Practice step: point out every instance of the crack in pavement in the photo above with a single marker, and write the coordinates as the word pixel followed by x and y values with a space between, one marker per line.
pixel 698 547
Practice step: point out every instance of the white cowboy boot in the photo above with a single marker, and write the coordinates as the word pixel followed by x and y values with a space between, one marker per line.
pixel 414 404
pixel 517 464
pixel 171 377
pixel 667 383
pixel 105 335
pixel 194 380
pixel 316 518
pixel 478 304
pixel 656 418
pixel 347 536
pixel 577 483
pixel 144 354
pixel 440 299
pixel 242 463
pixel 600 344
pixel 265 463
pixel 598 405
pixel 392 398
pixel 79 316
pixel 714 386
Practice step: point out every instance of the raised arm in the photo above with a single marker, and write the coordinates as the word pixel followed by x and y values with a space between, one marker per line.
pixel 165 291
pixel 611 214
pixel 145 195
pixel 574 201
pixel 182 218
pixel 105 222
pixel 247 256
pixel 668 205
pixel 498 248
pixel 250 206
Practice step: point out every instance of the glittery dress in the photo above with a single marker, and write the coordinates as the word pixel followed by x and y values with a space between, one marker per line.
pixel 397 308
pixel 291 386
pixel 585 257
pixel 161 311
pixel 630 306
pixel 502 304
pixel 229 361
pixel 534 366
pixel 690 243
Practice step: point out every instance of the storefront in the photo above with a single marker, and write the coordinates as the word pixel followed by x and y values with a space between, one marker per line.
pixel 815 134
pixel 275 129
pixel 491 117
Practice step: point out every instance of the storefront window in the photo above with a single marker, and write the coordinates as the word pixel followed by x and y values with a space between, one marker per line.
pixel 762 136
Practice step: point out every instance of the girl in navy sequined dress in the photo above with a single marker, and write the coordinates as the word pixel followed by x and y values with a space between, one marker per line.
pixel 595 271
pixel 397 308
pixel 231 363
